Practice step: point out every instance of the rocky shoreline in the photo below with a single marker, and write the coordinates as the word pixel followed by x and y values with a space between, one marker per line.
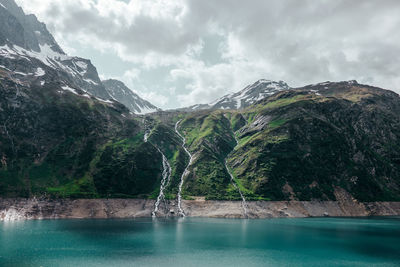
pixel 27 209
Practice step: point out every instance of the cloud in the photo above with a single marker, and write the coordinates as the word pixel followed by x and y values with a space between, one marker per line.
pixel 309 41
pixel 298 41
pixel 135 30
pixel 132 74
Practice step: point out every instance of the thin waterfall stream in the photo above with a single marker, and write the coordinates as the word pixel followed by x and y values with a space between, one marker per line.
pixel 185 172
pixel 244 204
pixel 146 131
pixel 166 175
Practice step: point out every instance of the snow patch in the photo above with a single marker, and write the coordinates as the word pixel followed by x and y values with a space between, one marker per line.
pixel 81 65
pixel 105 101
pixel 6 52
pixel 90 81
pixel 39 72
pixel 145 110
pixel 46 55
pixel 67 88
pixel 4 67
pixel 315 92
pixel 20 73
pixel 238 103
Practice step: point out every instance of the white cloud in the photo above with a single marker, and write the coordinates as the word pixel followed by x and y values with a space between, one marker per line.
pixel 132 74
pixel 300 42
pixel 155 98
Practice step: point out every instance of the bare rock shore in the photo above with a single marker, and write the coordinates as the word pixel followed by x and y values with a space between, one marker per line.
pixel 25 209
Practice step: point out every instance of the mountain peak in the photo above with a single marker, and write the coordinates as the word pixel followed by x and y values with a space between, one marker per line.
pixel 247 96
pixel 26 45
pixel 120 92
pixel 23 30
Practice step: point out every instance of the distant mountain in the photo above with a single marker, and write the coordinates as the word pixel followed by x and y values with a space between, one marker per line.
pixel 29 50
pixel 121 93
pixel 246 97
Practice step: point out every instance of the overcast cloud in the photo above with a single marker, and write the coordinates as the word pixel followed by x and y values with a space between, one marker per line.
pixel 180 52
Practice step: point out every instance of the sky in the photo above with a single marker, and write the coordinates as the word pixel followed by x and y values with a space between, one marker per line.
pixel 177 53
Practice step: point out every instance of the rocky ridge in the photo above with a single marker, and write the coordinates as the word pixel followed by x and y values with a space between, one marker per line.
pixel 28 49
pixel 245 97
pixel 121 93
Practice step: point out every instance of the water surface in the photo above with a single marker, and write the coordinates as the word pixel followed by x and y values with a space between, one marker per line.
pixel 202 242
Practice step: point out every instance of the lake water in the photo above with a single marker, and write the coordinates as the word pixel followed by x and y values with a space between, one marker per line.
pixel 202 242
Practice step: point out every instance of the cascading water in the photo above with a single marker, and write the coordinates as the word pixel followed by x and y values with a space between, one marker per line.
pixel 147 131
pixel 146 136
pixel 185 172
pixel 166 175
pixel 244 204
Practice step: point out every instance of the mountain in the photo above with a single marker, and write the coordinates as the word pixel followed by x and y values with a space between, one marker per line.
pixel 29 50
pixel 314 142
pixel 60 138
pixel 246 97
pixel 121 93
pixel 60 135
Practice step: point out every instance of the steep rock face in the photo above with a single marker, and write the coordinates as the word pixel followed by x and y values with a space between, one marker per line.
pixel 26 45
pixel 23 30
pixel 62 142
pixel 120 92
pixel 246 97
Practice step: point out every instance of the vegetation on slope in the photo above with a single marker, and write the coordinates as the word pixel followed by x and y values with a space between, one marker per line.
pixel 209 138
pixel 302 145
pixel 170 144
pixel 298 144
pixel 57 143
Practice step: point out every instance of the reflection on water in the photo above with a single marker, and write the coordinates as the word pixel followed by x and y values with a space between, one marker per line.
pixel 200 241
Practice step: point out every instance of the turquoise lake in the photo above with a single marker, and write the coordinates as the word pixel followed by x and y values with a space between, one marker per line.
pixel 202 242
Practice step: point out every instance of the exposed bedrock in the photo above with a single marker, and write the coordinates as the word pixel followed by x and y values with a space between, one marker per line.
pixel 25 209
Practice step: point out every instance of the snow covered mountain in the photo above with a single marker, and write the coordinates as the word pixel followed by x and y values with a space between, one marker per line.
pixel 29 52
pixel 121 93
pixel 246 97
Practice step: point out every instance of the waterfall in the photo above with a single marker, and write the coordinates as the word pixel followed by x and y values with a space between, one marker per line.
pixel 146 136
pixel 244 204
pixel 185 172
pixel 146 131
pixel 166 175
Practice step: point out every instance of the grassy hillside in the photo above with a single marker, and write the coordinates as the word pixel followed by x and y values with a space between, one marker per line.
pixel 302 144
pixel 170 144
pixel 209 138
pixel 299 144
